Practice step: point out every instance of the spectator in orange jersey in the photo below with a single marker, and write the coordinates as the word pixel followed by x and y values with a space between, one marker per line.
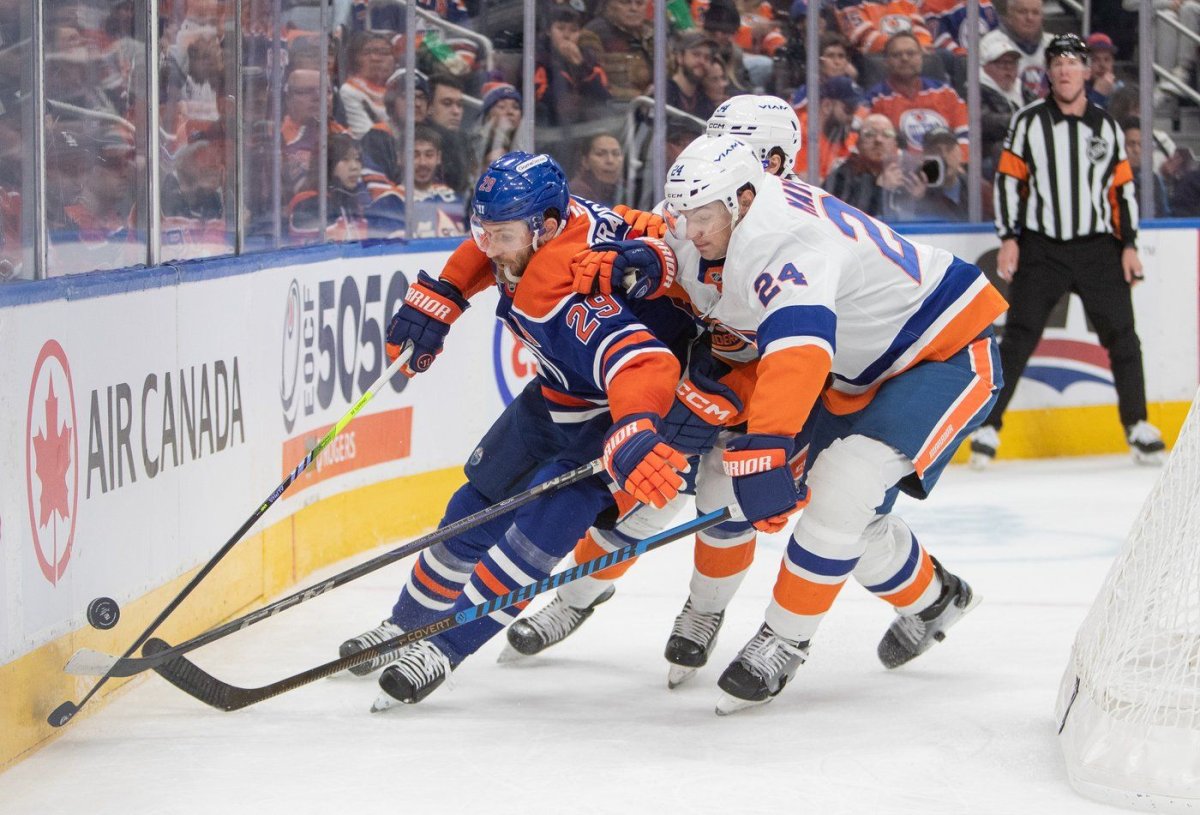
pixel 371 63
pixel 914 104
pixel 569 84
pixel 840 100
pixel 869 24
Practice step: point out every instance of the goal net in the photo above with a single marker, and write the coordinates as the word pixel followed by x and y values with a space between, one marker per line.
pixel 1129 703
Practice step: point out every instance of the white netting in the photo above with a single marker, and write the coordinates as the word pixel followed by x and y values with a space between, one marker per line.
pixel 1130 698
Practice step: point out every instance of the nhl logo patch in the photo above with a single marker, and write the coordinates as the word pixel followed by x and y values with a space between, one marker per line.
pixel 1098 150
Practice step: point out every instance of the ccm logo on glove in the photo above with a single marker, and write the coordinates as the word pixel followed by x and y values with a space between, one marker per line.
pixel 713 409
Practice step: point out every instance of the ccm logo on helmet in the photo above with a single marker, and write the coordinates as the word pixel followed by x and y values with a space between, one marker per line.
pixel 525 166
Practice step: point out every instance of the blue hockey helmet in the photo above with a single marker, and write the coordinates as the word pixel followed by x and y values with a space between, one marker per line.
pixel 520 186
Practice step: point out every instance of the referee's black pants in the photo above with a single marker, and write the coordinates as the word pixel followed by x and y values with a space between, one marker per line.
pixel 1091 268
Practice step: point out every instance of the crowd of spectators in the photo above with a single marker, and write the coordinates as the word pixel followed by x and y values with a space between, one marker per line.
pixel 893 77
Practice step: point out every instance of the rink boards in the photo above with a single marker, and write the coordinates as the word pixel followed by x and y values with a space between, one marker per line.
pixel 152 411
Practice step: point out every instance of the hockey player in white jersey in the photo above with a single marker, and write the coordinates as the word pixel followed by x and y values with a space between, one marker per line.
pixel 723 553
pixel 881 351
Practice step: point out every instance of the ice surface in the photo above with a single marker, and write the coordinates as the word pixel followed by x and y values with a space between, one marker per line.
pixel 590 727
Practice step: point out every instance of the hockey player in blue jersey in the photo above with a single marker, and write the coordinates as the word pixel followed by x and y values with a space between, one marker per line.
pixel 606 380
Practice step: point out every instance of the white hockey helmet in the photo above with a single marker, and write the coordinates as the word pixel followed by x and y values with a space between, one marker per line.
pixel 763 122
pixel 708 170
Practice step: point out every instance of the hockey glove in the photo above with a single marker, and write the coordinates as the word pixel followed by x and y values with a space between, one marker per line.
pixel 430 306
pixel 640 462
pixel 642 223
pixel 762 480
pixel 703 405
pixel 644 268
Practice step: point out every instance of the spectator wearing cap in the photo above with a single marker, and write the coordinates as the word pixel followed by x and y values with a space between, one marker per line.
pixel 936 186
pixel 1103 81
pixel 693 53
pixel 1001 93
pixel 1024 23
pixel 722 21
pixel 381 145
pixel 916 104
pixel 569 83
pixel 599 169
pixel 624 39
pixel 840 101
pixel 100 231
pixel 501 116
pixel 371 63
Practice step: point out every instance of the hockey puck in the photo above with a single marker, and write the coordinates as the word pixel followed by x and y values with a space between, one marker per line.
pixel 103 613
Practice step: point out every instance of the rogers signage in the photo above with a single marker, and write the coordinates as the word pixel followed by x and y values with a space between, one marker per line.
pixel 52 460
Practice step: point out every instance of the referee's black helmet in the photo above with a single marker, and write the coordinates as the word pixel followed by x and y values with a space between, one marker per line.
pixel 1067 45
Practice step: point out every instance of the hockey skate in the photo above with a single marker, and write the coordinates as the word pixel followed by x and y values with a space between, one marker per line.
pixel 692 639
pixel 984 443
pixel 549 626
pixel 911 635
pixel 762 668
pixel 386 630
pixel 418 671
pixel 1146 444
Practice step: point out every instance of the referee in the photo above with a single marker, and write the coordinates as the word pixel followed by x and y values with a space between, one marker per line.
pixel 1067 217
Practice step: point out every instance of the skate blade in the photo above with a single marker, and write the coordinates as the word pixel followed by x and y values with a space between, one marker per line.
pixel 1157 459
pixel 728 705
pixel 383 703
pixel 979 461
pixel 678 674
pixel 510 654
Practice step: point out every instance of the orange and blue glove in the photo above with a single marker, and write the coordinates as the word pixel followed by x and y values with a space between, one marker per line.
pixel 430 307
pixel 644 268
pixel 640 462
pixel 763 482
pixel 641 222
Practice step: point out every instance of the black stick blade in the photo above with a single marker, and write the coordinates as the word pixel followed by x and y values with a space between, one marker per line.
pixel 190 678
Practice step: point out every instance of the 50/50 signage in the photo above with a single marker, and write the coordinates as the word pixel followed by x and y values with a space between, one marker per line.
pixel 333 340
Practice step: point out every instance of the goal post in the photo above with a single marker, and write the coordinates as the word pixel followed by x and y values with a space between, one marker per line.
pixel 1129 703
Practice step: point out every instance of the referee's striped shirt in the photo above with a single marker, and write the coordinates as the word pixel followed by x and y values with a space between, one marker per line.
pixel 1065 176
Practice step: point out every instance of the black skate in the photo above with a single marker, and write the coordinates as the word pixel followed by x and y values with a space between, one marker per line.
pixel 762 668
pixel 386 630
pixel 418 671
pixel 984 443
pixel 913 634
pixel 692 639
pixel 549 626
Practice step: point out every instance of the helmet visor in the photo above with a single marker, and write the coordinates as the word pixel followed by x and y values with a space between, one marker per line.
pixel 504 238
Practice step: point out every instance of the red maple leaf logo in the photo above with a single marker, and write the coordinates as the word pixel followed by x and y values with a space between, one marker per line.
pixel 52 447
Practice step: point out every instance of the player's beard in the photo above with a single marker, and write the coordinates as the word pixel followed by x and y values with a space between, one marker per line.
pixel 511 270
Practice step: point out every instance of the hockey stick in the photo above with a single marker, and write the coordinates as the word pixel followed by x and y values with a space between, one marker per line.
pixel 196 682
pixel 89 662
pixel 67 710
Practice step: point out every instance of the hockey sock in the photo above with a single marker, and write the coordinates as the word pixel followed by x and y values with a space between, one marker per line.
pixel 596 543
pixel 722 557
pixel 438 575
pixel 896 568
